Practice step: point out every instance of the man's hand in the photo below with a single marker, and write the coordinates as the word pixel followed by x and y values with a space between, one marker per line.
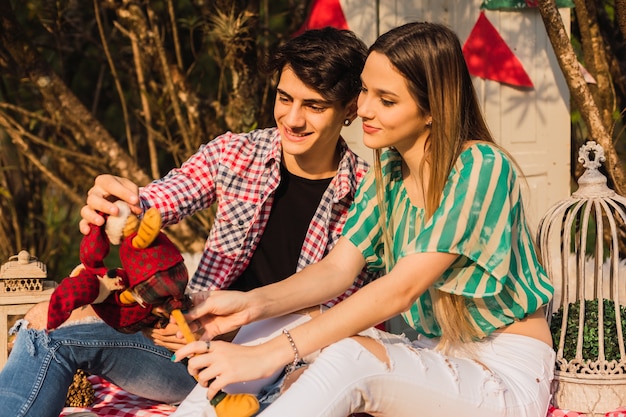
pixel 167 337
pixel 100 198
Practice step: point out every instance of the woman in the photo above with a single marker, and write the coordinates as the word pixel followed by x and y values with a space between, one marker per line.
pixel 441 214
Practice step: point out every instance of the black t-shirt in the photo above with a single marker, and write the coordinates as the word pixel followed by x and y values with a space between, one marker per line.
pixel 276 257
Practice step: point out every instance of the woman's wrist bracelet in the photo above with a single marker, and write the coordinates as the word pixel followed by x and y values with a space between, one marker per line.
pixel 296 355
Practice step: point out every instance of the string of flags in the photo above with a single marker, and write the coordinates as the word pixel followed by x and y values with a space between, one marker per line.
pixel 487 54
pixel 324 13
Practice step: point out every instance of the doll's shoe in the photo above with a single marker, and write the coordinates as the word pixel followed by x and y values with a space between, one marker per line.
pixel 235 405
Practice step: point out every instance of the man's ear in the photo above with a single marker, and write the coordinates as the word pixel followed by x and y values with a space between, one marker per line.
pixel 351 109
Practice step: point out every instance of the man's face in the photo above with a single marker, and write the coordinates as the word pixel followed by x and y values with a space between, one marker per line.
pixel 309 125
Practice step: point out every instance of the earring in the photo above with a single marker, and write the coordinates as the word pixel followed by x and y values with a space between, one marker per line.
pixel 429 123
pixel 347 122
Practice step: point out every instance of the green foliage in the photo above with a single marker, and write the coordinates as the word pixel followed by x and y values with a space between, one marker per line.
pixel 590 330
pixel 158 78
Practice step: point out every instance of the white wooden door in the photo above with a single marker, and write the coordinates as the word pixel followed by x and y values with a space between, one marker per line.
pixel 533 125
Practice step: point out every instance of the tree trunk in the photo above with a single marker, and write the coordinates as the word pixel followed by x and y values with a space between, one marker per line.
pixel 581 95
pixel 595 60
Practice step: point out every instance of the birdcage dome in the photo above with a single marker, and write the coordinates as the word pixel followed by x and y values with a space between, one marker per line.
pixel 581 240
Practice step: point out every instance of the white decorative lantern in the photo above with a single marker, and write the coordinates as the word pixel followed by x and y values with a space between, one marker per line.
pixel 22 285
pixel 22 273
pixel 580 248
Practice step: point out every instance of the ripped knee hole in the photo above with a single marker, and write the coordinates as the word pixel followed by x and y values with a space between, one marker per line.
pixel 376 347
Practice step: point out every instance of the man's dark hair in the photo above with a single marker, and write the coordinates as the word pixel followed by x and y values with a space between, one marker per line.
pixel 327 60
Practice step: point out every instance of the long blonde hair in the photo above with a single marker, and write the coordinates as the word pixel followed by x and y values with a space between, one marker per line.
pixel 429 56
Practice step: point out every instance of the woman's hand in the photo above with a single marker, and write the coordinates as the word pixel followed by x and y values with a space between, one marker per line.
pixel 219 312
pixel 106 189
pixel 217 364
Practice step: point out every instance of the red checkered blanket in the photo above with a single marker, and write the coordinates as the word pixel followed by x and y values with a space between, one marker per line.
pixel 556 412
pixel 112 401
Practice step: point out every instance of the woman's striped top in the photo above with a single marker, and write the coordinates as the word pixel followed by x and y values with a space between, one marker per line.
pixel 481 218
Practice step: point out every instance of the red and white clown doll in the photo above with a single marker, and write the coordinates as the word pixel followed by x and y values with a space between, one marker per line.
pixel 142 293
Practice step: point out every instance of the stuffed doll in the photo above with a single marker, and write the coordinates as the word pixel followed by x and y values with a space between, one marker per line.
pixel 147 289
pixel 152 279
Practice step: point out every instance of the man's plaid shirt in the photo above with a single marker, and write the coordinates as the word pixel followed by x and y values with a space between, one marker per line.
pixel 241 172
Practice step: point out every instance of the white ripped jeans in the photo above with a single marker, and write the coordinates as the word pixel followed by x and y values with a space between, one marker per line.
pixel 509 375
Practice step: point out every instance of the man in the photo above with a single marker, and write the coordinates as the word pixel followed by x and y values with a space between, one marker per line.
pixel 282 197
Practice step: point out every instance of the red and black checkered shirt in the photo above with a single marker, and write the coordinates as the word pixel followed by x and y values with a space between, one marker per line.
pixel 241 172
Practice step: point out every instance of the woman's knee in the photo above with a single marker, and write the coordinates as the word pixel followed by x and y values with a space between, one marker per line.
pixel 375 347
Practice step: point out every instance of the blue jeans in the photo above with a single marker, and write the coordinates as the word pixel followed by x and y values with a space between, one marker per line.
pixel 41 367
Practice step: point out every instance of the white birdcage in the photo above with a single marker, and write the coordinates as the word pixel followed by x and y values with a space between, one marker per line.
pixel 579 239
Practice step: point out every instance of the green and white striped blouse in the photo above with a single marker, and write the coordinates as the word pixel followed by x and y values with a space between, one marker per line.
pixel 481 218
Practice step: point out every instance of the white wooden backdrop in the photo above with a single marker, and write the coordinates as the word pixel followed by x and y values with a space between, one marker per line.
pixel 534 125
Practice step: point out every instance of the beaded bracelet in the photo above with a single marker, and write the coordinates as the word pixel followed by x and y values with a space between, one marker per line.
pixel 296 355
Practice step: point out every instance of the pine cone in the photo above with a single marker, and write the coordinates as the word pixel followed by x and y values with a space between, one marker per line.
pixel 81 392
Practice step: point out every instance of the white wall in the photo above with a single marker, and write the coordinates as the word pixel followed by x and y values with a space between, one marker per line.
pixel 534 125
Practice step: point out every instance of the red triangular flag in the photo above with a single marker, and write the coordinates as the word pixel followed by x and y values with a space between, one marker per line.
pixel 324 13
pixel 488 56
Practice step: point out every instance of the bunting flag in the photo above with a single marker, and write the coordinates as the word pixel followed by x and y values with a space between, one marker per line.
pixel 324 13
pixel 519 4
pixel 586 74
pixel 488 56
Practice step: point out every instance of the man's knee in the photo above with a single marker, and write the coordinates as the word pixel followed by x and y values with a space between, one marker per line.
pixel 37 316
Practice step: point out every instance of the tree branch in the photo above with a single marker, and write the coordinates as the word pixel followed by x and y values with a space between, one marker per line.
pixel 169 83
pixel 116 79
pixel 59 101
pixel 620 14
pixel 20 143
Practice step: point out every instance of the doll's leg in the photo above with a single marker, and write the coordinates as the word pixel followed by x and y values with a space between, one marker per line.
pixel 196 404
pixel 41 366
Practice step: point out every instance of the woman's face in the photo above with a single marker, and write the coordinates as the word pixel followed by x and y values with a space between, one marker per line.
pixel 391 116
pixel 309 124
